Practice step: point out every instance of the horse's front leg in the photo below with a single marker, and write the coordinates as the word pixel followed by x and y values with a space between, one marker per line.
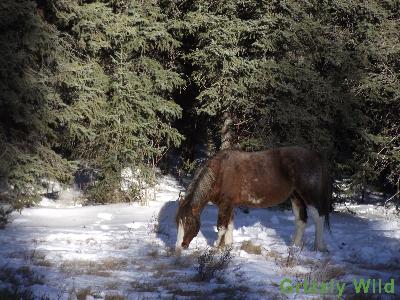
pixel 225 227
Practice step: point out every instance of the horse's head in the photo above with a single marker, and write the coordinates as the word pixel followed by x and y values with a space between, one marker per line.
pixel 188 222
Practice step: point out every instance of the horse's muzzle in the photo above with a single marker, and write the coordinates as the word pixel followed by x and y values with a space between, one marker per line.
pixel 184 245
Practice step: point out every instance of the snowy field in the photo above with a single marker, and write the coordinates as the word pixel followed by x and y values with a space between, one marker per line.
pixel 125 251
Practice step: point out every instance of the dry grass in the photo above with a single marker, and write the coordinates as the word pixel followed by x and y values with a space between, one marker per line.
pixel 320 271
pixel 122 246
pixel 101 268
pixel 43 263
pixel 83 293
pixel 230 293
pixel 163 270
pixel 38 257
pixel 114 297
pixel 274 256
pixel 327 271
pixel 153 253
pixel 183 262
pixel 113 285
pixel 292 259
pixel 250 248
pixel 143 287
pixel 190 294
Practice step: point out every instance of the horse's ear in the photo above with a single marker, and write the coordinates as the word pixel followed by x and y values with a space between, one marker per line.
pixel 196 211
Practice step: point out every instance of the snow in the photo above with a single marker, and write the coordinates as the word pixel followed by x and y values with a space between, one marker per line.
pixel 127 250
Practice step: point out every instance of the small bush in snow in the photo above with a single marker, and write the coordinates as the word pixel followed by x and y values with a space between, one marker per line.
pixel 5 216
pixel 83 294
pixel 157 226
pixel 153 226
pixel 293 257
pixel 250 248
pixel 114 297
pixel 325 271
pixel 16 283
pixel 210 262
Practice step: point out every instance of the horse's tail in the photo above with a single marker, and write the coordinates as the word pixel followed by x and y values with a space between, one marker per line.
pixel 201 184
pixel 327 193
pixel 328 223
pixel 329 203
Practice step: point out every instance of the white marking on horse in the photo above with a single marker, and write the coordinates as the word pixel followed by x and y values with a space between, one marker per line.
pixel 255 200
pixel 229 234
pixel 179 238
pixel 300 226
pixel 319 229
pixel 221 234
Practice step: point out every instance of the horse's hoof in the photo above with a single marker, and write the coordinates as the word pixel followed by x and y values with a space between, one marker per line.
pixel 219 244
pixel 297 245
pixel 321 249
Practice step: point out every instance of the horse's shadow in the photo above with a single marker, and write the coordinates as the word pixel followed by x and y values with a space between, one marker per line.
pixel 345 241
pixel 367 250
pixel 167 232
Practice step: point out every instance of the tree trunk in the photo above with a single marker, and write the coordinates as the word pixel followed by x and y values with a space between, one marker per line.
pixel 226 141
pixel 226 131
pixel 363 188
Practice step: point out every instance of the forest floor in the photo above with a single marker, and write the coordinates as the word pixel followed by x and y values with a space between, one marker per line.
pixel 126 251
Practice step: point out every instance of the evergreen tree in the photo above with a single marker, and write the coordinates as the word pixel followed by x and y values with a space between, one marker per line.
pixel 120 88
pixel 30 110
pixel 378 49
pixel 298 72
pixel 99 82
pixel 260 62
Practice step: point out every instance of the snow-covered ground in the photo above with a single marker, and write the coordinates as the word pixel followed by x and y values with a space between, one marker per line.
pixel 64 251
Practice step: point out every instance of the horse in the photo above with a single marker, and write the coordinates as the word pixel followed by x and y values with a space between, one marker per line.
pixel 258 179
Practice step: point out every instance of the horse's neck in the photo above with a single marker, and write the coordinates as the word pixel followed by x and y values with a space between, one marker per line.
pixel 198 205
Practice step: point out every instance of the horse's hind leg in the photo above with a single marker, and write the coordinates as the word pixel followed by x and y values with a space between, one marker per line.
pixel 225 227
pixel 319 230
pixel 300 213
pixel 229 232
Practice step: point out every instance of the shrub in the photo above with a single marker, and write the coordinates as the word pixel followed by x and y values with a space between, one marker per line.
pixel 210 262
pixel 5 214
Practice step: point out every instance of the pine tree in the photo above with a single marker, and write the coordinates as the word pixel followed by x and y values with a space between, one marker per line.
pixel 97 83
pixel 298 72
pixel 120 89
pixel 374 28
pixel 260 63
pixel 30 110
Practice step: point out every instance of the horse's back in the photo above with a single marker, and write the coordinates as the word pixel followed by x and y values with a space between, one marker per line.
pixel 266 178
pixel 284 160
pixel 252 178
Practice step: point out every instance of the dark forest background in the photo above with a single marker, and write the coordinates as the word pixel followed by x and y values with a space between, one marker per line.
pixel 112 84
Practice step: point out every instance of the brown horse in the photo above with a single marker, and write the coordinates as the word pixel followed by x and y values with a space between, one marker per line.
pixel 258 179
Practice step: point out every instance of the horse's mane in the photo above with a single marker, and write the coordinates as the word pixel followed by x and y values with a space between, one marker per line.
pixel 200 184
